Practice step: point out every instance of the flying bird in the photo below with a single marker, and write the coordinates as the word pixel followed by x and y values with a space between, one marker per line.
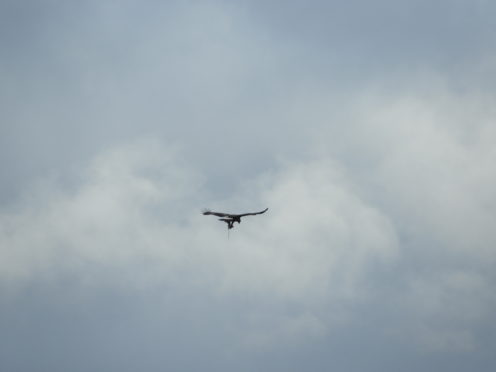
pixel 231 218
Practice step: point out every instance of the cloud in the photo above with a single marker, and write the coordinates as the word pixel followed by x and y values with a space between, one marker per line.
pixel 133 226
pixel 370 144
pixel 137 203
pixel 429 171
pixel 391 232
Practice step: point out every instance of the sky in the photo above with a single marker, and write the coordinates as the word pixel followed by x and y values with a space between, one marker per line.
pixel 367 129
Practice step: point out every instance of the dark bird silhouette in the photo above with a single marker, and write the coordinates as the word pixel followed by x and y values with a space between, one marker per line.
pixel 231 218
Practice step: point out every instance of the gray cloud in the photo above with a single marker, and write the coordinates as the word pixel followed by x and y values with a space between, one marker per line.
pixel 294 269
pixel 371 146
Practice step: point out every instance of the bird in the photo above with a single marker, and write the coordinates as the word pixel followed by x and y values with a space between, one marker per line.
pixel 231 218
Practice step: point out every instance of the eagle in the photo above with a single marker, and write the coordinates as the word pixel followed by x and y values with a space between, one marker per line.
pixel 231 218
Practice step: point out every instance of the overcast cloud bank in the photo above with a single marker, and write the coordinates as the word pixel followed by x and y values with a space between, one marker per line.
pixel 378 249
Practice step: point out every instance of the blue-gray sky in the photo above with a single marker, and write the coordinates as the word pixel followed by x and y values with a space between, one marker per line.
pixel 367 128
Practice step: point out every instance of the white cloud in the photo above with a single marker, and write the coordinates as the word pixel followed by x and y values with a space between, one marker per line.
pixel 431 173
pixel 420 212
pixel 137 205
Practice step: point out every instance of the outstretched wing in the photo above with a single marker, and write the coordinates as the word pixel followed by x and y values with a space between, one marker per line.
pixel 252 214
pixel 207 212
